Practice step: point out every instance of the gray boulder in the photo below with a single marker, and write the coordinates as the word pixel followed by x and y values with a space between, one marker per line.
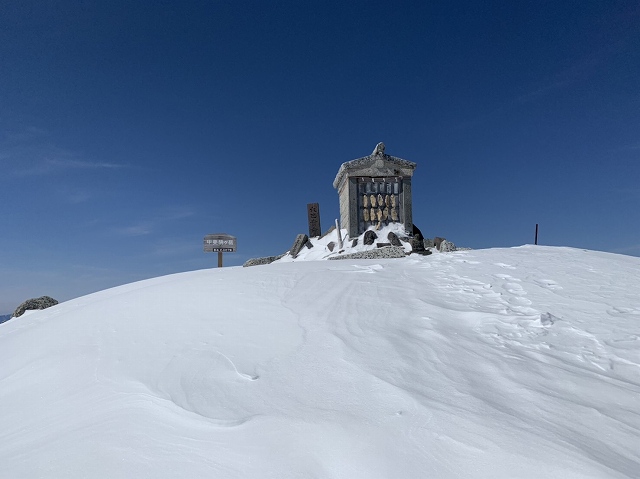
pixel 447 246
pixel 369 237
pixel 42 302
pixel 393 239
pixel 417 245
pixel 298 244
pixel 261 261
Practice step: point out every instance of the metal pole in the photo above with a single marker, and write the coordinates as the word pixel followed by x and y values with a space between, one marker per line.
pixel 219 259
pixel 536 233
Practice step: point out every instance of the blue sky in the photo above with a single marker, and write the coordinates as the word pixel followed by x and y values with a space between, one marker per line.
pixel 129 130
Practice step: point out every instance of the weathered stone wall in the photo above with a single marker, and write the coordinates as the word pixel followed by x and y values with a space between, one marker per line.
pixel 386 252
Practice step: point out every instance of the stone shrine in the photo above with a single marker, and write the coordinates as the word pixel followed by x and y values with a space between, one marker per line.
pixel 374 191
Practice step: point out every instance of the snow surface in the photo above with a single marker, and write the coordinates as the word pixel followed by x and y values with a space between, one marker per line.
pixel 520 362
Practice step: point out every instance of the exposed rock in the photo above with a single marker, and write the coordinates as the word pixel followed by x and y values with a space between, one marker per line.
pixel 393 239
pixel 369 237
pixel 42 302
pixel 428 243
pixel 388 252
pixel 382 245
pixel 261 261
pixel 331 245
pixel 447 246
pixel 436 242
pixel 417 244
pixel 300 241
pixel 354 243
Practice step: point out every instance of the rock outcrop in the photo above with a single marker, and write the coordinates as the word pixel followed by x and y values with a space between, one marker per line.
pixel 447 246
pixel 261 261
pixel 301 241
pixel 386 252
pixel 417 245
pixel 42 302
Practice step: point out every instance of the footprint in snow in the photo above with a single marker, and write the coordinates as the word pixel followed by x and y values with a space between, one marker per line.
pixel 514 288
pixel 547 319
pixel 547 283
pixel 367 269
pixel 618 311
pixel 519 301
pixel 505 265
pixel 506 276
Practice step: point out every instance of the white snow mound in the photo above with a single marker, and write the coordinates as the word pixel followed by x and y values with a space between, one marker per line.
pixel 502 363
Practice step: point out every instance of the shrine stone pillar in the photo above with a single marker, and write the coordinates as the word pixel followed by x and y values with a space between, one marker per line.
pixel 375 190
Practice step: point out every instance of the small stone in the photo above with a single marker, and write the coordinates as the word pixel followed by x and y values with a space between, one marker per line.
pixel 369 237
pixel 331 245
pixel 354 243
pixel 393 239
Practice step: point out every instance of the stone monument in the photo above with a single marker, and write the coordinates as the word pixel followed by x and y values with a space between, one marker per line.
pixel 374 191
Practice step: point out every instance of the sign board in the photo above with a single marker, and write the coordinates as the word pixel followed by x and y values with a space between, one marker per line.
pixel 220 243
pixel 313 214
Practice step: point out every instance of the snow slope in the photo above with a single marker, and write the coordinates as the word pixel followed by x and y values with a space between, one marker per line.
pixel 520 362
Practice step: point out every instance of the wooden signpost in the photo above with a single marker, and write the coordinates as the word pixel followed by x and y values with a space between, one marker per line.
pixel 220 243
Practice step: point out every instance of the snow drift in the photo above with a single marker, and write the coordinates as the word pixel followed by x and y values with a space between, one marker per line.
pixel 520 362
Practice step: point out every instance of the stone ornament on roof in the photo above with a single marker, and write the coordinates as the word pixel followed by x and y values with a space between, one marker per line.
pixel 378 163
pixel 379 150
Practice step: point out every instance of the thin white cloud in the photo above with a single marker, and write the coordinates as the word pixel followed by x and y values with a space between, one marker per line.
pixel 49 166
pixel 77 197
pixel 84 165
pixel 141 229
pixel 145 227
pixel 175 247
pixel 29 152
pixel 175 213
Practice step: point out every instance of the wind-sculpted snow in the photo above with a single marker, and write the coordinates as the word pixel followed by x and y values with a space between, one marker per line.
pixel 521 362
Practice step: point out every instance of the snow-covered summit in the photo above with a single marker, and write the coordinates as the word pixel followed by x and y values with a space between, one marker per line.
pixel 520 362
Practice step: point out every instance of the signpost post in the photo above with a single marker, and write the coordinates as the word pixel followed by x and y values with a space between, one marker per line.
pixel 220 243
